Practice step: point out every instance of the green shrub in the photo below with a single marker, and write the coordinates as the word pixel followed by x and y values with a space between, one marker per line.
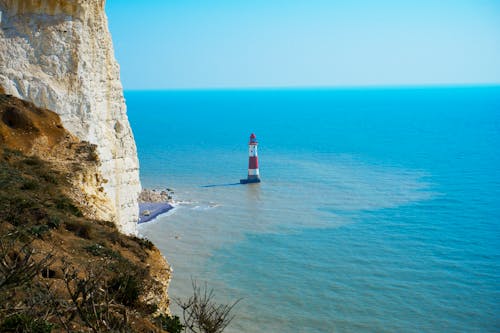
pixel 10 153
pixel 50 177
pixel 54 222
pixel 39 230
pixel 17 210
pixel 33 161
pixel 149 308
pixel 114 236
pixel 95 249
pixel 171 324
pixel 25 323
pixel 29 185
pixel 99 250
pixel 125 288
pixel 81 229
pixel 65 204
pixel 108 224
pixel 144 243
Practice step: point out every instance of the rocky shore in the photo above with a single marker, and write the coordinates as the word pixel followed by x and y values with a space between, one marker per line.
pixel 153 203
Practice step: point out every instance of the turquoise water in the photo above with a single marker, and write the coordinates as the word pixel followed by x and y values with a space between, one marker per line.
pixel 379 209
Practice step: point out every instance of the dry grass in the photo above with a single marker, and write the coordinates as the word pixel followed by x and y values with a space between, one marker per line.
pixel 84 274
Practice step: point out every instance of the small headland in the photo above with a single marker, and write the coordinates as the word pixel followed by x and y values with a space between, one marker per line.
pixel 153 203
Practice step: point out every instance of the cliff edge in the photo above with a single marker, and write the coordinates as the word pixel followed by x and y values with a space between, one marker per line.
pixel 61 267
pixel 59 55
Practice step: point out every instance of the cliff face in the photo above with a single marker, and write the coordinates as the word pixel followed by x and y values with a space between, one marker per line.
pixel 59 55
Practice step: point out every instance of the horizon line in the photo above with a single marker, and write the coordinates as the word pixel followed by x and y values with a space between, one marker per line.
pixel 352 87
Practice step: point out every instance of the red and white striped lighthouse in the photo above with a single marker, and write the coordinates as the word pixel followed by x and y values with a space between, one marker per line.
pixel 253 162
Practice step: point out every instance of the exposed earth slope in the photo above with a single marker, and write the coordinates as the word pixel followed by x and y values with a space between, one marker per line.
pixel 61 267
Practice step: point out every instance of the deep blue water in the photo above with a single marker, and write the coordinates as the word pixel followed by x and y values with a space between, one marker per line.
pixel 379 209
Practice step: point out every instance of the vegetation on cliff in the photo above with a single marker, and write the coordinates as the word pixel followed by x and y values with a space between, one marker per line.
pixel 61 270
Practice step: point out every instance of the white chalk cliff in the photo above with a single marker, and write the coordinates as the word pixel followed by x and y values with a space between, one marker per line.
pixel 59 55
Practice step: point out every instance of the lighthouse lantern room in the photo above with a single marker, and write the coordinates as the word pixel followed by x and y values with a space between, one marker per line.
pixel 253 162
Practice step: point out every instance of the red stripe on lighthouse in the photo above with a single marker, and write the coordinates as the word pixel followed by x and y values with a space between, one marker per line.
pixel 253 162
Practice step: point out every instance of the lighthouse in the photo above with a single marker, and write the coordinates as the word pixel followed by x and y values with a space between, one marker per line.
pixel 253 162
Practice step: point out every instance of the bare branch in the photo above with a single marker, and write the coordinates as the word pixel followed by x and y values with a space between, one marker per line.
pixel 201 314
pixel 17 266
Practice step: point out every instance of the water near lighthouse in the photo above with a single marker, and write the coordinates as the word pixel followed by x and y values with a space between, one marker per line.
pixel 378 211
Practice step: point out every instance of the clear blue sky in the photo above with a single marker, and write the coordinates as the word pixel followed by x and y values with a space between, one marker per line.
pixel 172 44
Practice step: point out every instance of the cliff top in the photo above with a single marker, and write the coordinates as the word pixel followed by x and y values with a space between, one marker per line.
pixel 51 7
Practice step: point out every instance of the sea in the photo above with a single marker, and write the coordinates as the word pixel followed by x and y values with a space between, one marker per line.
pixel 378 210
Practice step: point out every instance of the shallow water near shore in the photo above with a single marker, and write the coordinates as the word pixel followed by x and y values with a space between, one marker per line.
pixel 379 209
